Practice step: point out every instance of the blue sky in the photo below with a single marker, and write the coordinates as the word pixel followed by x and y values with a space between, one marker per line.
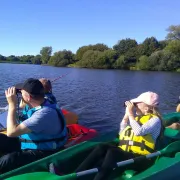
pixel 28 25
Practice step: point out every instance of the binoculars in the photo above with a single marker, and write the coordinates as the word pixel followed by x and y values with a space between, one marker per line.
pixel 131 102
pixel 18 91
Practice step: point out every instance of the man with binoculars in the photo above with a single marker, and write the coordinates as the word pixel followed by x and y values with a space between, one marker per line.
pixel 42 133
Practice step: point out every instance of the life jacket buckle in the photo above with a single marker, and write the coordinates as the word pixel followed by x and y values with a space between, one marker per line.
pixel 131 143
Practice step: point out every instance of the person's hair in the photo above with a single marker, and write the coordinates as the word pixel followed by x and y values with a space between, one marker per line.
pixel 46 84
pixel 155 111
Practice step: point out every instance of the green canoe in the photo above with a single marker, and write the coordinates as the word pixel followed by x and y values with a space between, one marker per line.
pixel 165 166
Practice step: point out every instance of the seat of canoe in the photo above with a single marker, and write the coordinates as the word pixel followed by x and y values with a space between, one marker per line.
pixel 171 118
pixel 172 133
pixel 168 120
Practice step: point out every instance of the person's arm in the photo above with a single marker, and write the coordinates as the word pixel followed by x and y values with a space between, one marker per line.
pixel 147 128
pixel 18 130
pixel 178 108
pixel 45 120
pixel 124 123
pixel 36 123
pixel 174 126
pixel 13 129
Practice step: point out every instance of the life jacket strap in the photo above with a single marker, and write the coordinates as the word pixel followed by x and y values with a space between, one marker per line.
pixel 142 145
pixel 42 141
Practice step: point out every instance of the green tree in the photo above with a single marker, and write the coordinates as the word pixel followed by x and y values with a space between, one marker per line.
pixel 139 51
pixel 46 54
pixel 155 60
pixel 2 58
pixel 61 58
pixel 106 59
pixel 174 47
pixel 168 61
pixel 36 59
pixel 120 63
pixel 97 47
pixel 12 58
pixel 143 63
pixel 90 59
pixel 173 62
pixel 149 46
pixel 173 32
pixel 124 45
pixel 131 55
pixel 164 61
pixel 26 58
pixel 81 51
pixel 162 44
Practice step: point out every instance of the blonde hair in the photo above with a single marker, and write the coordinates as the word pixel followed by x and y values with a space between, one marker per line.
pixel 156 112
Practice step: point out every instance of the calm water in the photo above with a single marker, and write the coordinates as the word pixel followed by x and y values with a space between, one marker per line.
pixel 96 95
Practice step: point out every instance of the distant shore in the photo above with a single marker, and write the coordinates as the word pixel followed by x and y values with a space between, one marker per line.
pixel 14 62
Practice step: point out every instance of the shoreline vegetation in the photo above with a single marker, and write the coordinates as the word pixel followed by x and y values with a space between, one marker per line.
pixel 151 54
pixel 14 62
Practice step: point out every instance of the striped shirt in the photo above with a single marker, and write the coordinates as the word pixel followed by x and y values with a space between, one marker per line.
pixel 153 127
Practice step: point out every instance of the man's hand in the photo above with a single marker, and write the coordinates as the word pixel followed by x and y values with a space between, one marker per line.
pixel 11 96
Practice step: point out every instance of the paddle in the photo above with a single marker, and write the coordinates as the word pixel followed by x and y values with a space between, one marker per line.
pixel 59 77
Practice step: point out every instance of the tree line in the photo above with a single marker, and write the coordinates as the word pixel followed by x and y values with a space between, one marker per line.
pixel 151 54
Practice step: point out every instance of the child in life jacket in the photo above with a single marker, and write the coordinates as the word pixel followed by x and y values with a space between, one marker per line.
pixel 140 129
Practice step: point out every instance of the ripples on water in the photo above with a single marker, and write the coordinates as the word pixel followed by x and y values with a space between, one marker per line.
pixel 96 96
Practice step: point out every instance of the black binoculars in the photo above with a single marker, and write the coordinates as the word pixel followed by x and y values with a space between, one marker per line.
pixel 131 102
pixel 18 91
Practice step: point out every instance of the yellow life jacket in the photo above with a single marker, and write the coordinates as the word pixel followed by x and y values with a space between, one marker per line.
pixel 137 144
pixel 3 131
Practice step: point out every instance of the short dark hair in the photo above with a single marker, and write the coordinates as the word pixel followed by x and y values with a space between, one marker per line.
pixel 46 84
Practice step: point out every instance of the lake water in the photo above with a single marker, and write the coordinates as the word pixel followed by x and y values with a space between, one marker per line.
pixel 97 96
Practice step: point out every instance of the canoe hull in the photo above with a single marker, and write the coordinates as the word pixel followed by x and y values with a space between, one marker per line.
pixel 163 168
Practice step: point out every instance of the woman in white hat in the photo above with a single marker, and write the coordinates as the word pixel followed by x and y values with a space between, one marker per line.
pixel 138 136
